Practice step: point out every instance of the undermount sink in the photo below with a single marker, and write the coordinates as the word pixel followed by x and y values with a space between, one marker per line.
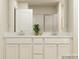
pixel 49 33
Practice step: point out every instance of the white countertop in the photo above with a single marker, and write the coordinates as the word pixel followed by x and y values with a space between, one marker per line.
pixel 45 34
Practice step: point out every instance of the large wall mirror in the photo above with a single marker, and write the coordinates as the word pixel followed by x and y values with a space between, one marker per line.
pixel 49 17
pixel 45 16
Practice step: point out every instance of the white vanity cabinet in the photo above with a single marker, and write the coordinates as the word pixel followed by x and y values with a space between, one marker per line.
pixel 25 52
pixel 56 48
pixel 50 52
pixel 11 52
pixel 18 48
pixel 37 47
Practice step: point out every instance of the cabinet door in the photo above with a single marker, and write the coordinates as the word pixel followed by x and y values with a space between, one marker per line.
pixel 11 52
pixel 26 52
pixel 64 50
pixel 50 52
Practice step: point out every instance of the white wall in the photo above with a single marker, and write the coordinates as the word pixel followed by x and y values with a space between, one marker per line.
pixel 72 17
pixel 12 5
pixel 3 23
pixel 75 27
pixel 59 17
pixel 22 5
pixel 62 13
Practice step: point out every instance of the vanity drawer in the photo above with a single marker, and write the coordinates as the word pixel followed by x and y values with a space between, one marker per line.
pixel 57 40
pixel 26 40
pixel 38 56
pixel 19 40
pixel 37 40
pixel 38 49
pixel 12 40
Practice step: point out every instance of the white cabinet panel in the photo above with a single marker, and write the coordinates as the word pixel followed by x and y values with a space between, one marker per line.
pixel 64 50
pixel 11 52
pixel 40 48
pixel 26 52
pixel 50 52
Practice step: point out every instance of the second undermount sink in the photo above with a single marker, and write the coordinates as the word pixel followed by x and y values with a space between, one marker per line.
pixel 49 33
pixel 56 34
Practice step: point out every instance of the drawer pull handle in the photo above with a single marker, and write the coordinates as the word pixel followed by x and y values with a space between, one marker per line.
pixel 38 53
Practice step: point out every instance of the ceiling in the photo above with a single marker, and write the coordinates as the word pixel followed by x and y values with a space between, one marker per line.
pixel 40 2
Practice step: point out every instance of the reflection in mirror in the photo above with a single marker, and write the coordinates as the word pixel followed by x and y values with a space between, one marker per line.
pixel 47 22
pixel 23 20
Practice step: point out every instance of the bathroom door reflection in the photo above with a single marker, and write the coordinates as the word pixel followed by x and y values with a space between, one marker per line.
pixel 51 23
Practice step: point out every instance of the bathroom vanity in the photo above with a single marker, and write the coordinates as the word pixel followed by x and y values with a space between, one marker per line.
pixel 51 18
pixel 37 47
